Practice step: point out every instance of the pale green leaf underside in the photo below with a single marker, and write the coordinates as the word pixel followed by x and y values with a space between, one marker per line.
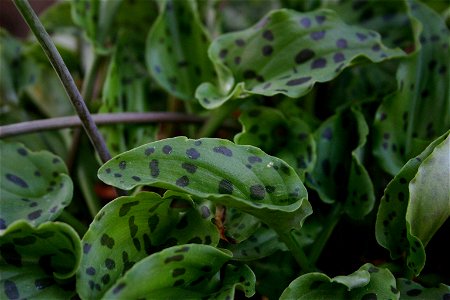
pixel 431 183
pixel 239 176
pixel 34 186
pixel 287 52
pixel 34 260
pixel 130 228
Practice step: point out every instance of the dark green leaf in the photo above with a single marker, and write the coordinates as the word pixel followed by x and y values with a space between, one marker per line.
pixel 380 18
pixel 239 225
pixel 95 18
pixel 17 69
pixel 263 242
pixel 34 185
pixel 289 138
pixel 125 90
pixel 37 262
pixel 339 174
pixel 287 52
pixel 419 110
pixel 57 18
pixel 176 53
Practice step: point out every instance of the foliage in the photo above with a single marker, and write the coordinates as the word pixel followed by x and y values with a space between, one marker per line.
pixel 324 152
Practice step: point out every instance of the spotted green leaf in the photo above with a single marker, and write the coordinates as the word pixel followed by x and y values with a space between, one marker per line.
pixel 176 53
pixel 130 228
pixel 380 18
pixel 34 186
pixel 248 238
pixel 184 271
pixel 339 175
pixel 239 225
pixel 236 277
pixel 125 90
pixel 394 219
pixel 289 138
pixel 263 242
pixel 287 52
pixel 36 262
pixel 237 176
pixel 419 110
pixel 277 271
pixel 369 282
pixel 410 290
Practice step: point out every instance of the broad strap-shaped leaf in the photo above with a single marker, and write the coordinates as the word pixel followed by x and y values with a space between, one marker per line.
pixel 96 18
pixel 36 263
pixel 18 70
pixel 287 52
pixel 34 186
pixel 339 175
pixel 289 138
pixel 369 282
pixel 184 271
pixel 177 45
pixel 125 90
pixel 130 228
pixel 392 226
pixel 410 290
pixel 47 92
pixel 101 20
pixel 218 170
pixel 419 111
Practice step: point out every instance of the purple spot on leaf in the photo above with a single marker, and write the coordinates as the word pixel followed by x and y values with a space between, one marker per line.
pixel 319 63
pixel 317 35
pixel 338 57
pixel 305 22
pixel 361 36
pixel 341 43
pixel 320 19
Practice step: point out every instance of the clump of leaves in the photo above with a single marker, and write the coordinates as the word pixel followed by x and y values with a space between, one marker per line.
pixel 321 118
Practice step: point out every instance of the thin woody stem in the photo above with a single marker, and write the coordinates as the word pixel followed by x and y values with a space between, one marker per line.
pixel 101 119
pixel 66 78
